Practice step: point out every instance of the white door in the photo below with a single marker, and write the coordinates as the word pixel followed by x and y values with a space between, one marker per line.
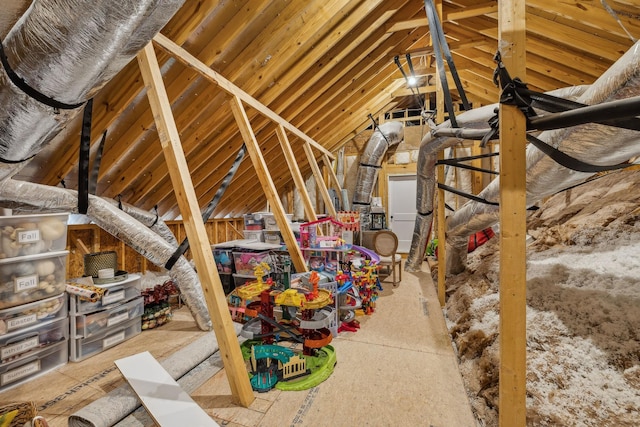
pixel 402 209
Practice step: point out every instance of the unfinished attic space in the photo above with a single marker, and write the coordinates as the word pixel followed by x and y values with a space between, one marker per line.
pixel 276 213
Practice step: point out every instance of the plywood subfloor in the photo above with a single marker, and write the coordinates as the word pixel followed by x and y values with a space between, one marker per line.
pixel 398 369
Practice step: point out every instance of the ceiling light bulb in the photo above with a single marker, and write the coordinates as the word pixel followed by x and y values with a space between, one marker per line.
pixel 411 81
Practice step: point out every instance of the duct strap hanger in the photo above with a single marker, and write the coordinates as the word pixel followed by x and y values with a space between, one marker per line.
pixel 95 170
pixel 474 197
pixel 210 207
pixel 30 91
pixel 376 127
pixel 440 49
pixel 456 163
pixel 569 162
pixel 155 221
pixel 83 164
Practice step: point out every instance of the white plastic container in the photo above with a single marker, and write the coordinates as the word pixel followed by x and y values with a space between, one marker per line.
pixel 81 348
pixel 18 318
pixel 32 278
pixel 24 235
pixel 87 325
pixel 37 364
pixel 116 292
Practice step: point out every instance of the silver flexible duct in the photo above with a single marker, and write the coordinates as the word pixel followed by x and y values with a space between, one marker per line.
pixel 67 50
pixel 106 214
pixel 385 136
pixel 593 143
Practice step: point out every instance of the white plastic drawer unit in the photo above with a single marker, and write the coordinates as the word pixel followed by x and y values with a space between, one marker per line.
pixel 24 316
pixel 115 293
pixel 37 363
pixel 31 278
pixel 87 325
pixel 81 348
pixel 22 344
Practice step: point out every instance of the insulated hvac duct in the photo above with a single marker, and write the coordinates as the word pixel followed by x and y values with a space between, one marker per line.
pixel 385 136
pixel 106 214
pixel 592 143
pixel 66 51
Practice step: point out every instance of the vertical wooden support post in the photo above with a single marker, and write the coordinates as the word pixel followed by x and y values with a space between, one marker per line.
pixel 253 148
pixel 179 172
pixel 295 174
pixel 440 214
pixel 95 247
pixel 513 226
pixel 122 254
pixel 332 175
pixel 319 180
pixel 476 176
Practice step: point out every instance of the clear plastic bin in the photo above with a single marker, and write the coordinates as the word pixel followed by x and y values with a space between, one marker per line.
pixel 35 365
pixel 87 325
pixel 24 316
pixel 24 235
pixel 32 278
pixel 117 292
pixel 81 348
pixel 245 262
pixel 21 344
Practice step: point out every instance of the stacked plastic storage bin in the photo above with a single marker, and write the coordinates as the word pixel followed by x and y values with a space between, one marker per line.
pixel 108 321
pixel 253 226
pixel 245 263
pixel 224 262
pixel 272 232
pixel 34 327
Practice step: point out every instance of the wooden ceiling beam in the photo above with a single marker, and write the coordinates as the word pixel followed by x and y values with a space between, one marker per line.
pixel 226 85
pixel 192 218
pixel 590 17
pixel 450 15
pixel 453 46
pixel 345 60
pixel 265 179
pixel 194 113
pixel 181 86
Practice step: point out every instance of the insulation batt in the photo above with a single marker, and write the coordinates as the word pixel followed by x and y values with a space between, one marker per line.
pixel 592 143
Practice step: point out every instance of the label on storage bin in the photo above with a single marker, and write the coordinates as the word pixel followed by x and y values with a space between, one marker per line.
pixel 29 236
pixel 25 283
pixel 113 340
pixel 113 320
pixel 113 297
pixel 21 347
pixel 22 321
pixel 21 372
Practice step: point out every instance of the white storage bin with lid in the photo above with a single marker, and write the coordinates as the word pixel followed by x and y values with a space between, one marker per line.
pixel 122 291
pixel 81 348
pixel 24 235
pixel 270 222
pixel 32 278
pixel 36 364
pixel 87 325
pixel 21 344
pixel 23 316
pixel 255 235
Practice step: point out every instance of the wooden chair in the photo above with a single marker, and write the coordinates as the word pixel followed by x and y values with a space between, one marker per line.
pixel 385 244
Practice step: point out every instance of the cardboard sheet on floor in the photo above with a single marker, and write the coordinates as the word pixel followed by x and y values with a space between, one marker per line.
pixel 167 403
